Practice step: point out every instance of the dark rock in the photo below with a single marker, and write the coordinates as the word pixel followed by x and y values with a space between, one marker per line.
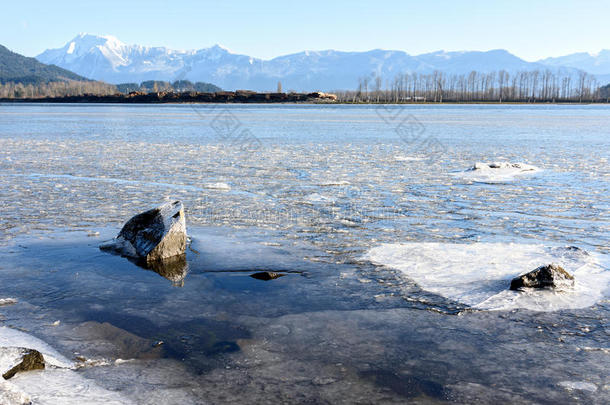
pixel 266 275
pixel 31 360
pixel 154 235
pixel 503 165
pixel 548 276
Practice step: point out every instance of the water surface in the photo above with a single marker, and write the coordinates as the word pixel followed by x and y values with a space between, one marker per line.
pixel 312 192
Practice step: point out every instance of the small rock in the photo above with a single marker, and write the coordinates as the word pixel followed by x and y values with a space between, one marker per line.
pixel 548 276
pixel 30 360
pixel 323 381
pixel 577 250
pixel 266 275
pixel 503 165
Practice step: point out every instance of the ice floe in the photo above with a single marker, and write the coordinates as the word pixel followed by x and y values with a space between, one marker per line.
pixel 7 301
pixel 496 172
pixel 402 158
pixel 217 186
pixel 578 385
pixel 479 274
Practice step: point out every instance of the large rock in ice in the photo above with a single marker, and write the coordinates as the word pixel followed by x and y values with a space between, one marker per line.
pixel 152 236
pixel 14 360
pixel 548 276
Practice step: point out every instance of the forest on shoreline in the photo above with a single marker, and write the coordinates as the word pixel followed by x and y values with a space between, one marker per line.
pixel 521 87
pixel 475 87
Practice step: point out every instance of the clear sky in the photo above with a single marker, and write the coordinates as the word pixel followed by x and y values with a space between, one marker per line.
pixel 531 29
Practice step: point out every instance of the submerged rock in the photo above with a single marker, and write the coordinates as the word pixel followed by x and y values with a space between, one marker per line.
pixel 266 275
pixel 26 359
pixel 576 250
pixel 107 341
pixel 152 236
pixel 548 276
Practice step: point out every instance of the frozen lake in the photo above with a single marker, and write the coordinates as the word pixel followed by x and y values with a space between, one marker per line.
pixel 397 254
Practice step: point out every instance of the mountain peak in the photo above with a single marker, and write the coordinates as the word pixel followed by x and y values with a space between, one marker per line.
pixel 85 39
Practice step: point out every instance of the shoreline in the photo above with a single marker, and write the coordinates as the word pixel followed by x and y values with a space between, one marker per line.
pixel 251 97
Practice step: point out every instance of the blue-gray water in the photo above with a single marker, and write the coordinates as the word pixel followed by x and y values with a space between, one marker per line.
pixel 311 191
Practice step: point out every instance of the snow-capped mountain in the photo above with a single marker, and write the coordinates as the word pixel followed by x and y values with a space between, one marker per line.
pixel 597 64
pixel 108 59
pixel 113 61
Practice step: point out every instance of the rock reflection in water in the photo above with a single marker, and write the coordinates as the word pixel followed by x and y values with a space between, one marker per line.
pixel 174 269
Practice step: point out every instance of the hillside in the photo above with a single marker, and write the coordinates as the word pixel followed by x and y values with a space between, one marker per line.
pixel 21 69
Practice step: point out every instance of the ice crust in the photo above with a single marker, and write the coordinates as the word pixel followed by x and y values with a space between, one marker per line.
pixel 479 274
pixel 58 383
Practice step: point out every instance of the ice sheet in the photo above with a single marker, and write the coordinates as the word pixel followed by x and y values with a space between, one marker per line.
pixel 56 384
pixel 479 274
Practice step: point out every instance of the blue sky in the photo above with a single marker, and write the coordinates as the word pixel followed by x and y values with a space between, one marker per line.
pixel 530 29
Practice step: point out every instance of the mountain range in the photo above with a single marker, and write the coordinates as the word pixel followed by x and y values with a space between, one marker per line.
pixel 107 58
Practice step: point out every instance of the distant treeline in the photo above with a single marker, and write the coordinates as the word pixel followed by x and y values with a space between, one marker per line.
pixel 179 86
pixel 526 86
pixel 71 88
pixel 12 90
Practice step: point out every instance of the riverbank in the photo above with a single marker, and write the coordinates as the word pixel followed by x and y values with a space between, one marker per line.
pixel 239 96
pixel 252 97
